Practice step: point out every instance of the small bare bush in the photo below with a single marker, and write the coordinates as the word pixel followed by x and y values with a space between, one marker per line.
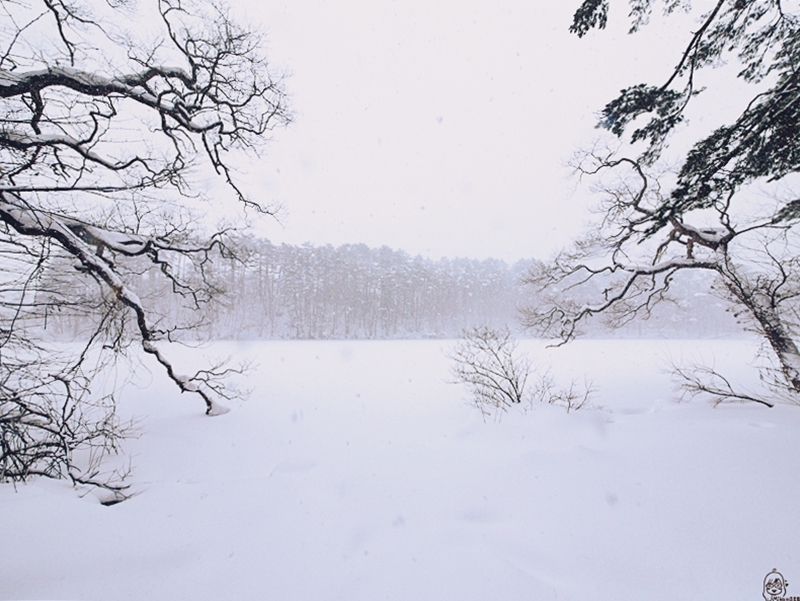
pixel 488 362
pixel 572 398
pixel 706 381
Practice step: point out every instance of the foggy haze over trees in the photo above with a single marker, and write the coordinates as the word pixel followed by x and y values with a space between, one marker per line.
pixel 352 291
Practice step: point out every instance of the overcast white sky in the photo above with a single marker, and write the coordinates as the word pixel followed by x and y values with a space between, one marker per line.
pixel 441 128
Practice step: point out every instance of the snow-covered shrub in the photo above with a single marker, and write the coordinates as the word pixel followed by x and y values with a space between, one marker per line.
pixel 488 362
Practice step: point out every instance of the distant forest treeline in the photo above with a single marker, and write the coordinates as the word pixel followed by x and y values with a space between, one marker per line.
pixel 353 291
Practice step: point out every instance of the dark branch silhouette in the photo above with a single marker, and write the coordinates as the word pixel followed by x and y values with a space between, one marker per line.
pixel 99 141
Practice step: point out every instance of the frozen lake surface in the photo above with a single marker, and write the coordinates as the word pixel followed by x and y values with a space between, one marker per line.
pixel 355 471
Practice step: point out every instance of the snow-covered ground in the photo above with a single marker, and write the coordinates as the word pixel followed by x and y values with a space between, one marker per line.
pixel 356 472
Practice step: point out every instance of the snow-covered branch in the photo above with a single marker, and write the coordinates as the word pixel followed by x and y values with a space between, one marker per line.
pixel 65 124
pixel 109 112
pixel 86 243
pixel 627 265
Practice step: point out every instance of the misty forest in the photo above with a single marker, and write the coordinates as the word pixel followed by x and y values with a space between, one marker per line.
pixel 189 410
pixel 268 292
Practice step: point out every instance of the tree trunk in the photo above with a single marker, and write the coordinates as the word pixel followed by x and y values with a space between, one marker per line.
pixel 763 310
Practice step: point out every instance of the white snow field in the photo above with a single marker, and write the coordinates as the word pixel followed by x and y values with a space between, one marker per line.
pixel 356 472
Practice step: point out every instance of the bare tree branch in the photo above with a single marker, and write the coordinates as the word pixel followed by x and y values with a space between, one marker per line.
pixel 99 138
pixel 622 270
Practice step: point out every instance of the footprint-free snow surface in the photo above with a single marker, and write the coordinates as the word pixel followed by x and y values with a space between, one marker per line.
pixel 355 471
